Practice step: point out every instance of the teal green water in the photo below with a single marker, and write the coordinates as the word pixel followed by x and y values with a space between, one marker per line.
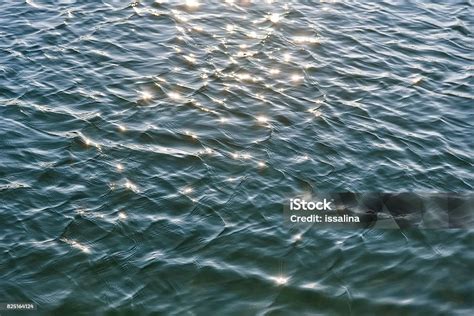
pixel 147 150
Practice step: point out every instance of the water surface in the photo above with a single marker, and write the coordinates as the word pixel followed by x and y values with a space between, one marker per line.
pixel 147 150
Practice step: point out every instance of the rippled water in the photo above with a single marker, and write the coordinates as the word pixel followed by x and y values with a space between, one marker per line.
pixel 147 150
